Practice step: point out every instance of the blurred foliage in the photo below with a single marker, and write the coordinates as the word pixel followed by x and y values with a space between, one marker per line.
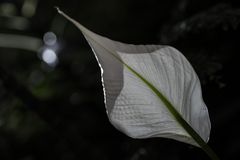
pixel 51 99
pixel 221 16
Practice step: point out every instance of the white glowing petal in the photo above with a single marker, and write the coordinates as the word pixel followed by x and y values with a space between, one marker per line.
pixel 132 106
pixel 49 56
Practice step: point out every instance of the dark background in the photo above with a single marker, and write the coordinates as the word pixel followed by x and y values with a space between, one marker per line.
pixel 52 107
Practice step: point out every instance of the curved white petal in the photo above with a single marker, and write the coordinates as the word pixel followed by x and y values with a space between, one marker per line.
pixel 131 105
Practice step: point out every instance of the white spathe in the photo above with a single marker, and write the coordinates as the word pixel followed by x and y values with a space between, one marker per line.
pixel 132 107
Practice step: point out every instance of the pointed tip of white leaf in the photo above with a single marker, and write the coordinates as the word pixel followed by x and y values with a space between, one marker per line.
pixel 58 9
pixel 63 14
pixel 78 25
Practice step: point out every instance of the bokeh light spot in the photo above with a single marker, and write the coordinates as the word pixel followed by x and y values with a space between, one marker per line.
pixel 49 38
pixel 49 56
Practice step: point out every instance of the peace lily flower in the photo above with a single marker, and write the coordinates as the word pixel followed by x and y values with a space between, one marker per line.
pixel 150 91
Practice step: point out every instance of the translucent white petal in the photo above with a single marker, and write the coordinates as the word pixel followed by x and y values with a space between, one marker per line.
pixel 132 107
